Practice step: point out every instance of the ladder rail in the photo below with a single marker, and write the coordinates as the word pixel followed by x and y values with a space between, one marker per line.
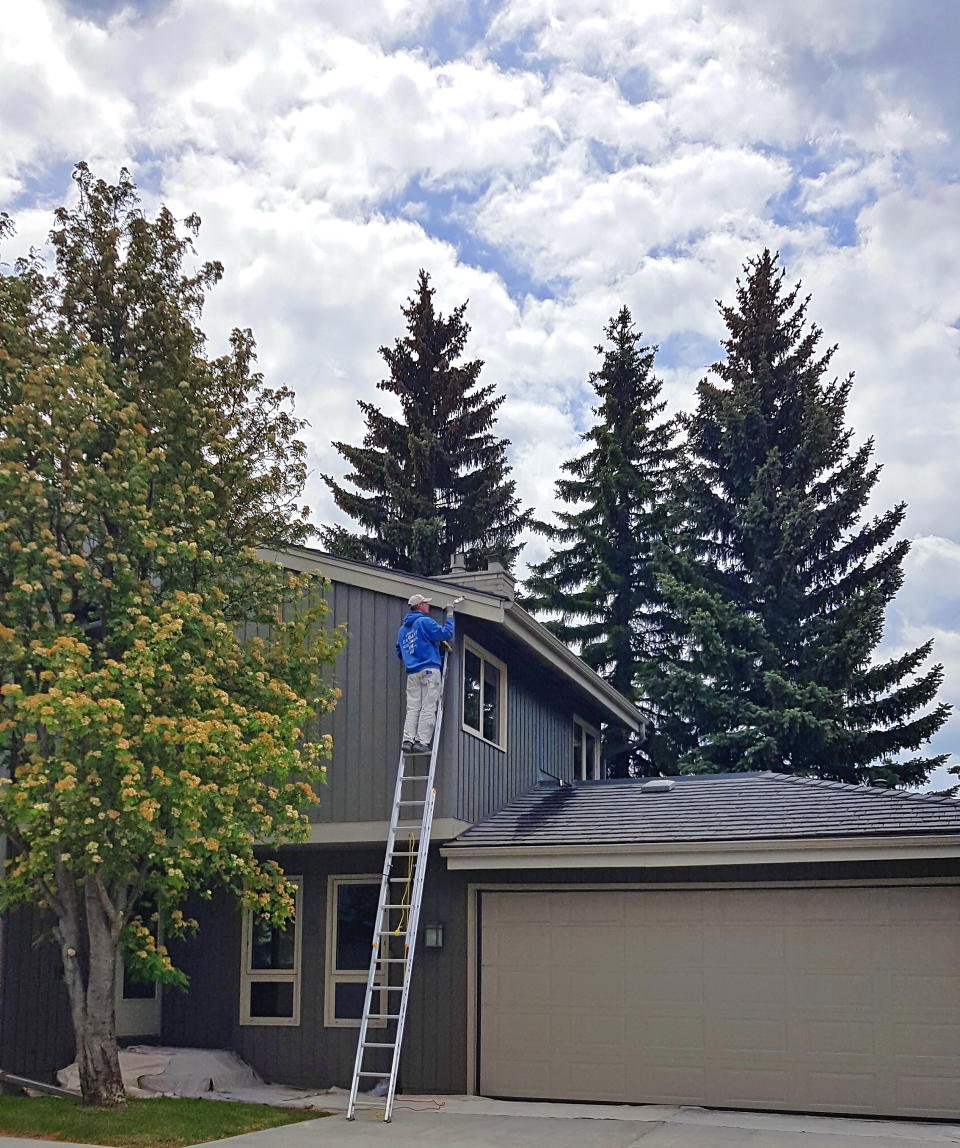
pixel 379 922
pixel 420 852
pixel 416 899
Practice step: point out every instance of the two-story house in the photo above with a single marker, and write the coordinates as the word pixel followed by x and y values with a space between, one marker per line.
pixel 747 940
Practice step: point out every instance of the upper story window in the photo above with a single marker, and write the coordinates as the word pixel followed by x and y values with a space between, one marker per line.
pixel 270 974
pixel 484 695
pixel 586 751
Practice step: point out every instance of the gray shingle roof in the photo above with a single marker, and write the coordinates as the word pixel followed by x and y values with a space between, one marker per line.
pixel 712 807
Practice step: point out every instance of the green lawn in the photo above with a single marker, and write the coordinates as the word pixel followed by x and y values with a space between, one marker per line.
pixel 161 1123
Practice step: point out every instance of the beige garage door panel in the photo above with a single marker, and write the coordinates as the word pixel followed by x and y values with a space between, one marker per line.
pixel 809 999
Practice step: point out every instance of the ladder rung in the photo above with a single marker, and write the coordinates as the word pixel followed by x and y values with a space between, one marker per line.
pixel 397 906
pixel 405 853
pixel 417 753
pixel 392 932
pixel 393 960
pixel 373 1074
pixel 413 801
pixel 415 777
pixel 377 1044
pixel 390 988
pixel 383 1016
pixel 398 881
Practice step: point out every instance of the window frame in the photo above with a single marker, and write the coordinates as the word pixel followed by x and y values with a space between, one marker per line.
pixel 334 976
pixel 137 1016
pixel 249 975
pixel 485 656
pixel 583 774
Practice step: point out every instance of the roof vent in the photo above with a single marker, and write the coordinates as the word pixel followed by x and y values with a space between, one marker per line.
pixel 657 785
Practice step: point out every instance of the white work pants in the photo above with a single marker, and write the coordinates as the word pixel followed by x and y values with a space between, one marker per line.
pixel 423 697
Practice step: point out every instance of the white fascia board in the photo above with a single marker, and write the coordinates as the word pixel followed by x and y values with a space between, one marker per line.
pixel 534 634
pixel 475 604
pixel 375 832
pixel 700 853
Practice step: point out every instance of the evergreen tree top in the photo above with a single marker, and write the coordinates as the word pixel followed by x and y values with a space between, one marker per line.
pixel 434 482
pixel 779 588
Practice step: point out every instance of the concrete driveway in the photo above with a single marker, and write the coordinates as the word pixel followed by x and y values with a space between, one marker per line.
pixel 475 1122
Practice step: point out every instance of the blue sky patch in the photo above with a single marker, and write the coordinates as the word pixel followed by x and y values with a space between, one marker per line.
pixel 443 215
pixel 453 33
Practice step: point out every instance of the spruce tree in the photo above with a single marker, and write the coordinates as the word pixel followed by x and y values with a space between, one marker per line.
pixel 434 482
pixel 780 586
pixel 598 582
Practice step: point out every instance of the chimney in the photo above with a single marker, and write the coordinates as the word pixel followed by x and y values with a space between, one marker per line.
pixel 496 579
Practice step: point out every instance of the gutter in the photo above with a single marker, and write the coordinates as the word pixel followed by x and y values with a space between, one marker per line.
pixel 701 853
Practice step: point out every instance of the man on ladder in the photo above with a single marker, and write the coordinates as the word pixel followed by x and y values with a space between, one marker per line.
pixel 408 846
pixel 418 646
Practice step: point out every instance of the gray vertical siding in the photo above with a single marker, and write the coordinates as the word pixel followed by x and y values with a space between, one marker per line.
pixel 367 722
pixel 36 1032
pixel 540 710
pixel 309 1054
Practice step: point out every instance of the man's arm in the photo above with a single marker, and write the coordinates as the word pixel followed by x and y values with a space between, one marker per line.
pixel 434 632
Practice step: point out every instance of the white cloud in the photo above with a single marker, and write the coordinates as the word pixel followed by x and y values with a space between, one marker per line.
pixel 632 154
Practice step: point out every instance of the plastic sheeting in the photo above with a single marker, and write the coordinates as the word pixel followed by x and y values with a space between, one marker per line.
pixel 207 1073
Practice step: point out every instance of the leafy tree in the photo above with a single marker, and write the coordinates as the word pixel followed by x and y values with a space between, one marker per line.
pixel 145 746
pixel 436 479
pixel 599 576
pixel 780 588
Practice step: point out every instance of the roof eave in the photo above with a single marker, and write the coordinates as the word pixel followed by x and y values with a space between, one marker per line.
pixel 476 604
pixel 528 630
pixel 702 853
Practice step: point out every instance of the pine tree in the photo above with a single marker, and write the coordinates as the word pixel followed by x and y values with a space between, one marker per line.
pixel 599 576
pixel 780 587
pixel 436 480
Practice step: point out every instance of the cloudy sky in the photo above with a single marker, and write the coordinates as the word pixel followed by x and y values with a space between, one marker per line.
pixel 549 160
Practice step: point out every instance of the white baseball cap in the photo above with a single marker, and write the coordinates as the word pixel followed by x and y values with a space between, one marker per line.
pixel 417 600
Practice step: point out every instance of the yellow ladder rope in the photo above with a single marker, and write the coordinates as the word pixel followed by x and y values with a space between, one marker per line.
pixel 405 899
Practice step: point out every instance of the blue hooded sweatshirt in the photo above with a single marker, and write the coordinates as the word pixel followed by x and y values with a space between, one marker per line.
pixel 417 641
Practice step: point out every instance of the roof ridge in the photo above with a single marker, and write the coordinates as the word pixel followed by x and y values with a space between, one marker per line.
pixel 872 790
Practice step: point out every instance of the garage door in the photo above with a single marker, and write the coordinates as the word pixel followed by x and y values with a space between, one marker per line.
pixel 817 1000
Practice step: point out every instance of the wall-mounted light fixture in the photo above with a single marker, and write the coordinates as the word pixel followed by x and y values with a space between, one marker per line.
pixel 433 936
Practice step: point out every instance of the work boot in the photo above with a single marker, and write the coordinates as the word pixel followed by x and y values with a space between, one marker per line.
pixel 406 745
pixel 419 747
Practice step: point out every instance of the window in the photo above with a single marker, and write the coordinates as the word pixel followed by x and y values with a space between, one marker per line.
pixel 351 917
pixel 586 751
pixel 137 1003
pixel 484 694
pixel 270 972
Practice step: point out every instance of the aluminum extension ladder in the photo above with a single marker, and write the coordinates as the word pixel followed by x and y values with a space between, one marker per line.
pixel 397 919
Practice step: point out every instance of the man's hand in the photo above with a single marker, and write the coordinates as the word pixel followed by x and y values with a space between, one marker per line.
pixel 450 605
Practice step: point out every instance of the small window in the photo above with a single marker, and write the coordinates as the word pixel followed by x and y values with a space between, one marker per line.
pixel 351 918
pixel 137 1003
pixel 484 694
pixel 270 974
pixel 586 751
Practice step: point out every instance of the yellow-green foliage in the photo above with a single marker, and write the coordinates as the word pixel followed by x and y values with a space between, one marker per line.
pixel 146 741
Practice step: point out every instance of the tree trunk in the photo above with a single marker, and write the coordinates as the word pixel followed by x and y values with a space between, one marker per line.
pixel 91 984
